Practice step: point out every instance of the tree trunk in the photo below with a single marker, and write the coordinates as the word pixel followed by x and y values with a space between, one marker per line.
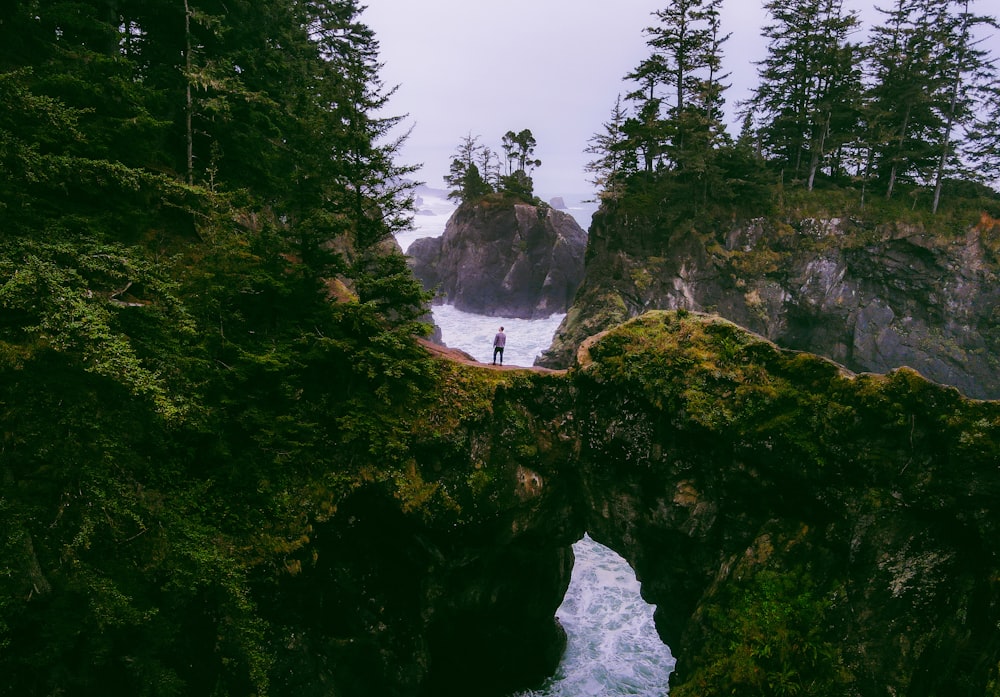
pixel 818 151
pixel 895 161
pixel 189 105
pixel 949 125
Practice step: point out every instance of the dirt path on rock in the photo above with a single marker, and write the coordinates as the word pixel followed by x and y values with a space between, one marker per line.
pixel 459 356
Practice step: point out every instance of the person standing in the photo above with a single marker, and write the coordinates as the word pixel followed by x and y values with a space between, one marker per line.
pixel 499 341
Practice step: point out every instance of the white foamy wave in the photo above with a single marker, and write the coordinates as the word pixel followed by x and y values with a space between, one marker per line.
pixel 526 338
pixel 613 648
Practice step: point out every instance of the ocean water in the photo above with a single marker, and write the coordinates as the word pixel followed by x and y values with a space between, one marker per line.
pixel 613 648
pixel 526 338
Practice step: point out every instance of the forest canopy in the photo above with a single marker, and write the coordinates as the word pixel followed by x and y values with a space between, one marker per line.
pixel 202 334
pixel 916 105
pixel 476 170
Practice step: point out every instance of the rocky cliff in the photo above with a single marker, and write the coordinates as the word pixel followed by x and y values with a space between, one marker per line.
pixel 801 529
pixel 871 296
pixel 500 256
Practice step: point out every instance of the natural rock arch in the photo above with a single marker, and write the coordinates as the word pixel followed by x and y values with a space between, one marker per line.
pixel 761 495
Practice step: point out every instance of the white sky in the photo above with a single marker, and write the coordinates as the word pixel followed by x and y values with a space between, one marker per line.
pixel 553 66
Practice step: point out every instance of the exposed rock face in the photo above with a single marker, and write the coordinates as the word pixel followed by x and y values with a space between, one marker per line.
pixel 506 258
pixel 873 299
pixel 842 530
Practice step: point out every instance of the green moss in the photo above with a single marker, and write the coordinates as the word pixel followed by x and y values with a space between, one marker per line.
pixel 766 637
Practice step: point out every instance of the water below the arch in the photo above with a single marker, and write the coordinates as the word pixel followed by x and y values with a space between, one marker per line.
pixel 612 647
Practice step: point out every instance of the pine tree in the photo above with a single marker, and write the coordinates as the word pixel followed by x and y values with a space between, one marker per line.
pixel 982 149
pixel 968 87
pixel 679 89
pixel 615 161
pixel 376 191
pixel 906 80
pixel 465 179
pixel 808 83
pixel 698 127
pixel 930 85
pixel 157 326
pixel 518 149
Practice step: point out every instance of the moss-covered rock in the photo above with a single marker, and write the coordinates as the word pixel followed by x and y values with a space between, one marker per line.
pixel 800 529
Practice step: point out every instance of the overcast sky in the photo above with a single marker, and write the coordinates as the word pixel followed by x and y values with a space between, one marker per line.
pixel 485 67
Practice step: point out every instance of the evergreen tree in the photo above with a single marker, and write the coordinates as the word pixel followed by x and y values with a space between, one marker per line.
pixel 615 161
pixel 465 179
pixel 969 85
pixel 679 95
pixel 518 149
pixel 490 167
pixel 982 149
pixel 808 83
pixel 171 366
pixel 476 170
pixel 646 129
pixel 375 189
pixel 930 85
pixel 699 128
pixel 906 79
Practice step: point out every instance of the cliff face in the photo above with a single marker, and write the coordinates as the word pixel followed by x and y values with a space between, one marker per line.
pixel 873 298
pixel 500 257
pixel 794 524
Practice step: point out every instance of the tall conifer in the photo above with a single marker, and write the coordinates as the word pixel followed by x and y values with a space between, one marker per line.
pixel 678 96
pixel 808 83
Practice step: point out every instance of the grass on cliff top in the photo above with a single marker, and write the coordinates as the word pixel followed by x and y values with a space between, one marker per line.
pixel 670 352
pixel 963 205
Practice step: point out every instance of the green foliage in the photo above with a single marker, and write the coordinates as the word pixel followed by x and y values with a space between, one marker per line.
pixel 181 399
pixel 767 637
pixel 89 301
pixel 917 125
pixel 476 171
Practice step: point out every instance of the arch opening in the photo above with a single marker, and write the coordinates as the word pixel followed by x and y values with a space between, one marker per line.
pixel 612 644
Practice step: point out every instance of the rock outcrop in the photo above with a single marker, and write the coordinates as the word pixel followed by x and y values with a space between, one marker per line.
pixel 872 297
pixel 499 256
